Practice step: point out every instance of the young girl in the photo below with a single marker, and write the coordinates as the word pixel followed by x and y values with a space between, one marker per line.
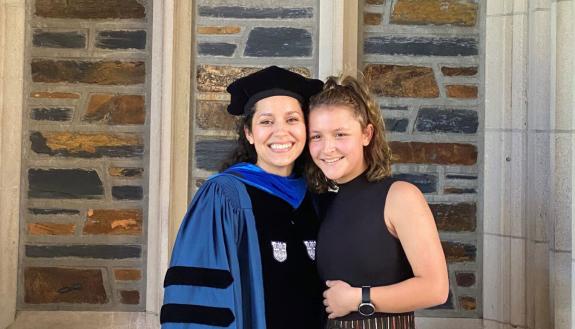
pixel 378 248
pixel 244 257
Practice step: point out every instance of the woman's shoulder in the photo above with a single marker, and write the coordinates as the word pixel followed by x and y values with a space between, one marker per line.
pixel 224 180
pixel 227 187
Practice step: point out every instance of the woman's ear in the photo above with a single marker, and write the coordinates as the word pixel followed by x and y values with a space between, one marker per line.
pixel 367 135
pixel 249 135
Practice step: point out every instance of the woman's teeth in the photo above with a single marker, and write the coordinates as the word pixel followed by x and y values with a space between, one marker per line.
pixel 280 146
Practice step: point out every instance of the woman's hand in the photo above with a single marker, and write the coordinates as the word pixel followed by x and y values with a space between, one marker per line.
pixel 340 298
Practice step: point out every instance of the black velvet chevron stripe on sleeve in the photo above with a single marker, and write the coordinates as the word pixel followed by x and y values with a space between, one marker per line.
pixel 198 276
pixel 180 313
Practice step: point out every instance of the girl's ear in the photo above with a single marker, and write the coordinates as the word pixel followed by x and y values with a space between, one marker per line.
pixel 249 135
pixel 367 134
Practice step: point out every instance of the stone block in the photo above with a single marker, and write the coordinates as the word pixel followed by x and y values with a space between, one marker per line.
pixel 425 182
pixel 216 78
pixel 396 125
pixel 90 9
pixel 51 229
pixel 435 12
pixel 459 71
pixel 49 285
pixel 113 222
pixel 460 176
pixel 116 109
pixel 219 29
pixel 85 251
pixel 447 121
pixel 128 274
pixel 401 81
pixel 457 217
pixel 255 12
pixel 51 114
pixel 420 46
pixel 455 190
pixel 125 172
pixel 457 252
pixel 101 72
pixel 53 211
pixel 436 153
pixel 64 184
pixel 75 39
pixel 87 145
pixel 121 40
pixel 210 154
pixel 278 42
pixel 216 49
pixel 127 192
pixel 58 95
pixel 214 115
pixel 393 108
pixel 131 297
pixel 461 91
pixel 467 303
pixel 372 18
pixel 465 279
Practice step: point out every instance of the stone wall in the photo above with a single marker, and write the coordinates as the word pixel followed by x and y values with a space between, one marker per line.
pixel 423 59
pixel 233 39
pixel 85 155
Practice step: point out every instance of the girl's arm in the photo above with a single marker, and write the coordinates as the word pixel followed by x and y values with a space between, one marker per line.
pixel 408 217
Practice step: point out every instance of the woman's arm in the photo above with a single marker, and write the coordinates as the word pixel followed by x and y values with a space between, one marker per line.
pixel 202 284
pixel 408 217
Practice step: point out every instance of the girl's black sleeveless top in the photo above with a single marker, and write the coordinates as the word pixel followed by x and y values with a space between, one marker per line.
pixel 354 244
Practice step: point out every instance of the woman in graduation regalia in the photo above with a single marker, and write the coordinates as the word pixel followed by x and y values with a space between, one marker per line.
pixel 244 257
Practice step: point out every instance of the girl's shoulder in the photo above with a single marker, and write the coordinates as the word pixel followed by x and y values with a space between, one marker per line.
pixel 404 194
pixel 396 184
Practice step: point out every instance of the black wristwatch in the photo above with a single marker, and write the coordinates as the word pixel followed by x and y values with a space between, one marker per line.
pixel 366 308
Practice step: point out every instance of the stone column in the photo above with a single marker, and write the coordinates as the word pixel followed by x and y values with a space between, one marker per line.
pixel 528 164
pixel 562 175
pixel 504 165
pixel 539 154
pixel 338 37
pixel 12 31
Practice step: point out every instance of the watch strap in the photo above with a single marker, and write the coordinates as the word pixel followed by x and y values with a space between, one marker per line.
pixel 365 296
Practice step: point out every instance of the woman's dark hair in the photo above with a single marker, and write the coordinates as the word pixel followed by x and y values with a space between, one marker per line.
pixel 246 152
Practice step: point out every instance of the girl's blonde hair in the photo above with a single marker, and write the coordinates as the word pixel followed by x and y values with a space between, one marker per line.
pixel 354 94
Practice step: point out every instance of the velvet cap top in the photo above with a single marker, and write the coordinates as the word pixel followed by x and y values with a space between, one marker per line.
pixel 268 82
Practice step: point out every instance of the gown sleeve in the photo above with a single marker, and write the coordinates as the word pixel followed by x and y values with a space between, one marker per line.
pixel 214 279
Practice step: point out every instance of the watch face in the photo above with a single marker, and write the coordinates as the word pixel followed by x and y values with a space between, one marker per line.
pixel 366 309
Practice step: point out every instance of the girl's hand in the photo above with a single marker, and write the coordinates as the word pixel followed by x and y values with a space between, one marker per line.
pixel 340 298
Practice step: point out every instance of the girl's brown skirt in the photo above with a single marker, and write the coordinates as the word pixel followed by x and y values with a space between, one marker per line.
pixel 388 321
